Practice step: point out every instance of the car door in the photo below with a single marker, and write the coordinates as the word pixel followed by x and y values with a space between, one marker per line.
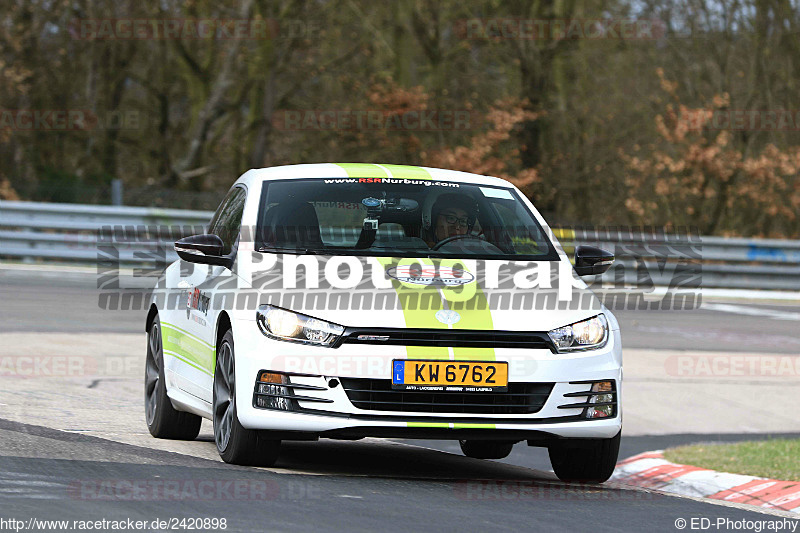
pixel 204 293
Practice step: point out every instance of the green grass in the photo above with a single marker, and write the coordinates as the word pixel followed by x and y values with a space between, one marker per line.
pixel 776 459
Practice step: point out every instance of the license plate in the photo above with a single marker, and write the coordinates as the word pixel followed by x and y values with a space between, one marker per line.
pixel 456 376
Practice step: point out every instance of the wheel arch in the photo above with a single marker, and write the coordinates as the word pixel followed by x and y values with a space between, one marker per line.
pixel 223 325
pixel 151 315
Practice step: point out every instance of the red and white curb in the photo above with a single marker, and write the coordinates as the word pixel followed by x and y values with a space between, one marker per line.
pixel 650 470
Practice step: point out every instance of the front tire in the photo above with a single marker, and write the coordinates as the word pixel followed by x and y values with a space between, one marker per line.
pixel 588 461
pixel 163 420
pixel 236 444
pixel 486 449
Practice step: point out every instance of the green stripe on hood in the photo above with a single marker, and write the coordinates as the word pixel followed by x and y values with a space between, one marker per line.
pixel 420 303
pixel 363 170
pixel 412 173
pixel 447 425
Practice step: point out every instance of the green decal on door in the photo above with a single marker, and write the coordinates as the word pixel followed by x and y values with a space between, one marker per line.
pixel 188 348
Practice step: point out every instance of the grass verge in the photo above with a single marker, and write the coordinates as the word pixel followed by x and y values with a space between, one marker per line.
pixel 776 459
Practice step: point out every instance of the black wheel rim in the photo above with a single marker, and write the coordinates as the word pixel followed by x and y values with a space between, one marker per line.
pixel 151 374
pixel 224 397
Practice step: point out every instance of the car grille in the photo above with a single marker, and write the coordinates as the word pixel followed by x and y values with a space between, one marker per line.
pixel 536 340
pixel 378 395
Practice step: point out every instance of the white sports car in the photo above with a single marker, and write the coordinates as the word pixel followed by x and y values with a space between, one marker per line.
pixel 352 300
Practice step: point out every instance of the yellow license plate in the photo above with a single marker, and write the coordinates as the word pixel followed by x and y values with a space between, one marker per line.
pixel 457 376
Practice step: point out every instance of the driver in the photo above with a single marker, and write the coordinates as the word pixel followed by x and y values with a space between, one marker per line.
pixel 452 215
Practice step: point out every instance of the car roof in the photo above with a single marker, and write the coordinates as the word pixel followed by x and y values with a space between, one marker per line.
pixel 344 170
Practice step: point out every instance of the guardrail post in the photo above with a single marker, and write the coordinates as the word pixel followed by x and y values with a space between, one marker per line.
pixel 116 191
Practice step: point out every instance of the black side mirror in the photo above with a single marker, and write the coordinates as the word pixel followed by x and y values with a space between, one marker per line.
pixel 203 249
pixel 590 261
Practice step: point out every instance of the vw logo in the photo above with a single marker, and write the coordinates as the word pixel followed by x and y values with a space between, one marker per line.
pixel 446 316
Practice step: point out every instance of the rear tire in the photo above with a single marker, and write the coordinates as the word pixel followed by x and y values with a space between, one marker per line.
pixel 585 460
pixel 163 420
pixel 236 444
pixel 486 449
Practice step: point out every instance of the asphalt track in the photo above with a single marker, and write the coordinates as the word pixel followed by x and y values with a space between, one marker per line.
pixel 56 464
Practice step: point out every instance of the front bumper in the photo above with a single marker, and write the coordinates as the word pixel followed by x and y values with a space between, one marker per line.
pixel 332 414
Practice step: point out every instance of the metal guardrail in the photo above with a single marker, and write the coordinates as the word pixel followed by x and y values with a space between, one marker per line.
pixel 659 259
pixel 33 230
pixel 70 232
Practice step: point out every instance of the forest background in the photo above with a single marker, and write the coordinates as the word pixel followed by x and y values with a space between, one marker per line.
pixel 670 113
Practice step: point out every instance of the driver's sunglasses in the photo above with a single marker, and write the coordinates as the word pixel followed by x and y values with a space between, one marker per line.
pixel 453 220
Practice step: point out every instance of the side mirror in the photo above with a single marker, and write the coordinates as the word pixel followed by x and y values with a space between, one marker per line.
pixel 202 249
pixel 590 261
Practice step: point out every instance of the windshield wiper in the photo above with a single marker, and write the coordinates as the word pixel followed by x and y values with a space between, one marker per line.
pixel 305 251
pixel 296 251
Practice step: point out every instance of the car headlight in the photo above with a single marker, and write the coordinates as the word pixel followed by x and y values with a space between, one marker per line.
pixel 584 335
pixel 280 324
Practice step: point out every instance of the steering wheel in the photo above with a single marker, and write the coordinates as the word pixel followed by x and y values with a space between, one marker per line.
pixel 487 245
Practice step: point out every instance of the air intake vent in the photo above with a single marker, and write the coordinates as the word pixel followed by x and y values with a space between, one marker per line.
pixel 378 395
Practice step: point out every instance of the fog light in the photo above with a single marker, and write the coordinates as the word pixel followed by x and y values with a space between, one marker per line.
pixel 272 377
pixel 603 386
pixel 269 383
pixel 601 411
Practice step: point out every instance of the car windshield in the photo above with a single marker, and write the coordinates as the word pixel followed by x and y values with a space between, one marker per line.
pixel 381 217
